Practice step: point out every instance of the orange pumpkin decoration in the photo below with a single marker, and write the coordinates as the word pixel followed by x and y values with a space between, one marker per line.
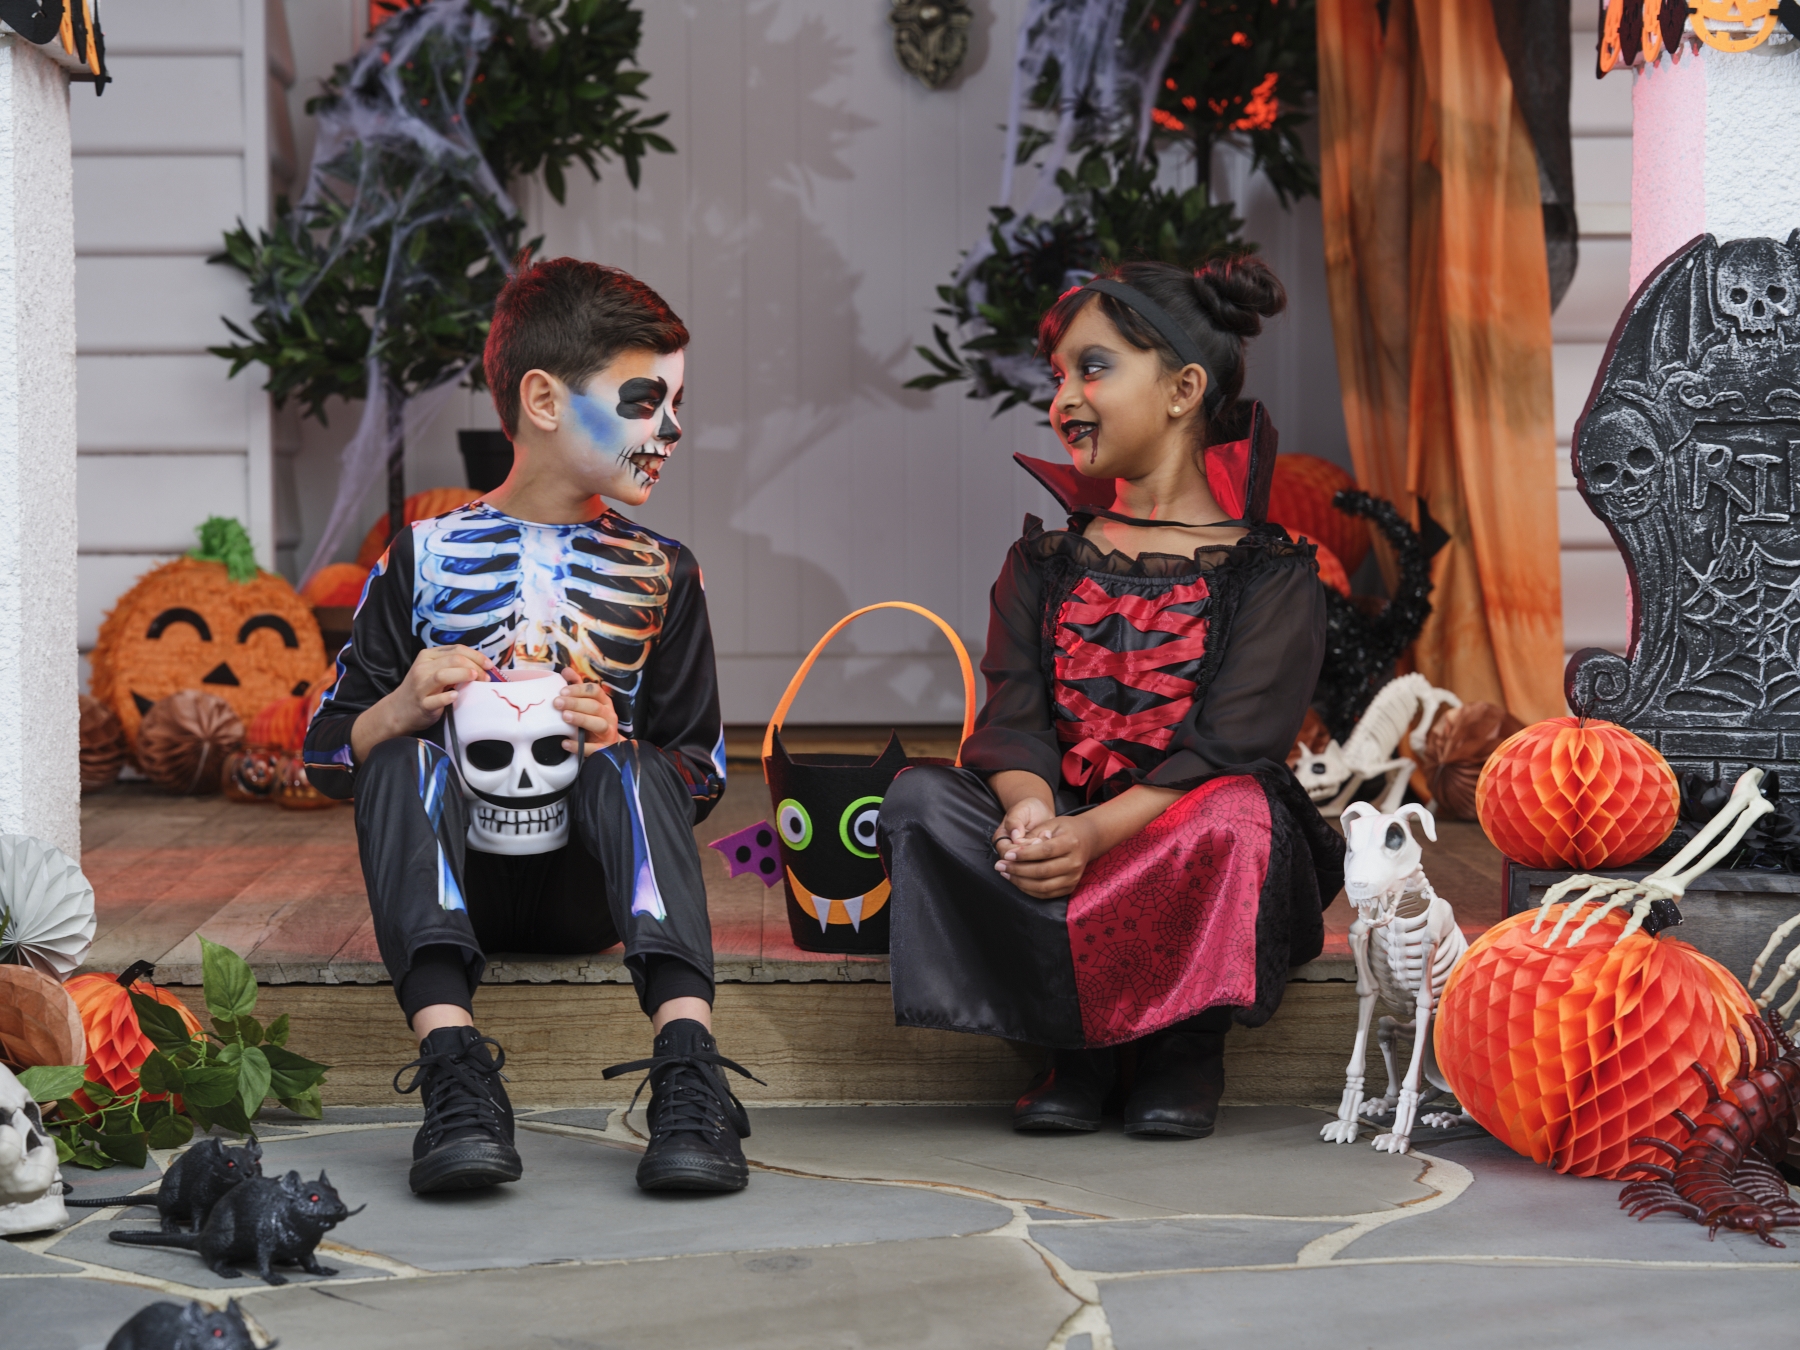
pixel 116 1045
pixel 1331 571
pixel 1757 19
pixel 188 625
pixel 1300 498
pixel 1566 1054
pixel 420 506
pixel 281 725
pixel 336 586
pixel 1570 792
pixel 250 776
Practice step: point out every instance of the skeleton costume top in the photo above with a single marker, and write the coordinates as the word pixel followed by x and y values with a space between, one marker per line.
pixel 610 599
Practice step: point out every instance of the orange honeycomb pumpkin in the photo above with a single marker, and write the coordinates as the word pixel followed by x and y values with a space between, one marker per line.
pixel 420 506
pixel 336 586
pixel 1566 1054
pixel 281 725
pixel 1576 793
pixel 188 625
pixel 1300 498
pixel 116 1045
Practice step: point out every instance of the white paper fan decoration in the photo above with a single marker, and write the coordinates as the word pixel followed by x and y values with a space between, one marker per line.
pixel 46 907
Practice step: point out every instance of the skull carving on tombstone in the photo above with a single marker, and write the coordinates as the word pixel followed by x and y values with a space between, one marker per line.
pixel 1757 281
pixel 30 1184
pixel 508 741
pixel 1621 462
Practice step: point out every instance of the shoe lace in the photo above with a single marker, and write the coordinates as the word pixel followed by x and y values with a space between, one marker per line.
pixel 458 1098
pixel 690 1095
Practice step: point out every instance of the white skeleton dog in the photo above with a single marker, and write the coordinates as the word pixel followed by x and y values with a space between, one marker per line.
pixel 1405 941
pixel 1332 776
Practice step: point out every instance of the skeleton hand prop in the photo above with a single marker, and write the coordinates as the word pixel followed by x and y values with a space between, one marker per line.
pixel 1783 973
pixel 1669 882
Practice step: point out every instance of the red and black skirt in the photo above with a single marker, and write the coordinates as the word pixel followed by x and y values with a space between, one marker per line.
pixel 1210 905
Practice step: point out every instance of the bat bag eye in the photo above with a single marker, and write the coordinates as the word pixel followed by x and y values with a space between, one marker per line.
pixel 826 809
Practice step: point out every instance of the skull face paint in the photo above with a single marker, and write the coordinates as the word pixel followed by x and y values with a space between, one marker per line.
pixel 628 420
pixel 508 741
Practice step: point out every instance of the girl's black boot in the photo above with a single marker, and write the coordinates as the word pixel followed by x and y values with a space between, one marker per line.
pixel 1180 1078
pixel 1069 1094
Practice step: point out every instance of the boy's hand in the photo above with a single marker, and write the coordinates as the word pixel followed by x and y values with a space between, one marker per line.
pixel 589 706
pixel 1049 863
pixel 417 703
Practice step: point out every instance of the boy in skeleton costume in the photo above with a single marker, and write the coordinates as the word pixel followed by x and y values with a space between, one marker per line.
pixel 527 716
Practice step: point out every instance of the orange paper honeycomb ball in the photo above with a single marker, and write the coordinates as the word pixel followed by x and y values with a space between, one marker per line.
pixel 1572 793
pixel 1300 498
pixel 1566 1054
pixel 116 1045
pixel 420 506
pixel 337 584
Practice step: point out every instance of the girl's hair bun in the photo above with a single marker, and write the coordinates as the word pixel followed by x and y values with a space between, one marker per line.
pixel 1239 293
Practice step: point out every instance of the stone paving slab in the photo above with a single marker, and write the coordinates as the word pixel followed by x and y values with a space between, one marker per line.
pixel 975 1292
pixel 1503 1214
pixel 1178 1244
pixel 578 1201
pixel 1261 1160
pixel 46 1314
pixel 1454 1306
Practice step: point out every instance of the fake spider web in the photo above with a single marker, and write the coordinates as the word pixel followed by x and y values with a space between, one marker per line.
pixel 1740 624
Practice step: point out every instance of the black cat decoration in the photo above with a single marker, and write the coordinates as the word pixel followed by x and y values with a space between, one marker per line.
pixel 822 843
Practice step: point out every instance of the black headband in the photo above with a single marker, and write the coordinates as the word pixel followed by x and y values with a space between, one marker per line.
pixel 1172 333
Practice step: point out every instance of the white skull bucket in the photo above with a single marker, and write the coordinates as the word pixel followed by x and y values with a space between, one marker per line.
pixel 508 741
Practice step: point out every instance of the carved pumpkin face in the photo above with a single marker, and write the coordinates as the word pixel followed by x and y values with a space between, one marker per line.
pixel 187 625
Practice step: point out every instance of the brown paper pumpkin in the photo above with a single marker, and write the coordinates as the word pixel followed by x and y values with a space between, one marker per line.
pixel 188 625
pixel 185 741
pixel 420 506
pixel 102 744
pixel 39 1022
pixel 1456 747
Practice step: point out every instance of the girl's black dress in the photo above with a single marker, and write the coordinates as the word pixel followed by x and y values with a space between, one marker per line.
pixel 1103 672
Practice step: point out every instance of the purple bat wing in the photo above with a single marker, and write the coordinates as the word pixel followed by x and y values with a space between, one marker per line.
pixel 752 850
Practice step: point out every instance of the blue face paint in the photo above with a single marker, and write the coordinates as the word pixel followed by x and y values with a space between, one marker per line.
pixel 609 432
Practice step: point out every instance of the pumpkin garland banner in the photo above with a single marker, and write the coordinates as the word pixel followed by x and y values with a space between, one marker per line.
pixel 154 1076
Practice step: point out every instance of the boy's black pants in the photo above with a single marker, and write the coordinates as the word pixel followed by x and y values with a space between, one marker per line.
pixel 629 872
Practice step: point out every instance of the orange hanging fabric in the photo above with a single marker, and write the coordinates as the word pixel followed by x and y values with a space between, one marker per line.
pixel 1440 297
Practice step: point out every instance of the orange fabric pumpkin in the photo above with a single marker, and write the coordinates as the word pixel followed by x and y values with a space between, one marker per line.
pixel 1300 498
pixel 420 506
pixel 188 625
pixel 116 1045
pixel 1567 1054
pixel 336 585
pixel 1571 793
pixel 281 725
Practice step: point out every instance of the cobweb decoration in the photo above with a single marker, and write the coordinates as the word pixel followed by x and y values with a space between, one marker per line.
pixel 46 907
pixel 386 159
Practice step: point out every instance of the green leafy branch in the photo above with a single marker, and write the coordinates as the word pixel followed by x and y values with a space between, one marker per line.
pixel 221 1077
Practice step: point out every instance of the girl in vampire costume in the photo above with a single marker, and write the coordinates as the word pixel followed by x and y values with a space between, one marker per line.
pixel 1123 857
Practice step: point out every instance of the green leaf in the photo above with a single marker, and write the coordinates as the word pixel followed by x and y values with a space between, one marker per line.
pixel 253 1080
pixel 47 1082
pixel 84 1155
pixel 97 1093
pixel 130 1149
pixel 245 1029
pixel 231 1117
pixel 230 987
pixel 292 1074
pixel 209 1086
pixel 277 1034
pixel 161 1023
pixel 158 1074
pixel 309 1104
pixel 171 1132
pixel 63 1152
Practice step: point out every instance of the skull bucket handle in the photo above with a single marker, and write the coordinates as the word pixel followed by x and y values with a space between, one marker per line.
pixel 827 808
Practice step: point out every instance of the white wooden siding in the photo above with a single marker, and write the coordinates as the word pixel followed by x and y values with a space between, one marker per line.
pixel 176 153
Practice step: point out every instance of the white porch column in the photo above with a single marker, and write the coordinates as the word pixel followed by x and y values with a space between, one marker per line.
pixel 40 788
pixel 1713 141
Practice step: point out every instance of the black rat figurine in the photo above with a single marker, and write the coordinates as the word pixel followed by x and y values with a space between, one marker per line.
pixel 193 1184
pixel 260 1222
pixel 169 1326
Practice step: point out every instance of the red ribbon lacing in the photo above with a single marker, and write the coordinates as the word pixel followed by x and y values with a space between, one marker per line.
pixel 1144 669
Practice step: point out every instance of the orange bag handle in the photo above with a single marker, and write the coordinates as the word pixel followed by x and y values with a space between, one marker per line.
pixel 793 689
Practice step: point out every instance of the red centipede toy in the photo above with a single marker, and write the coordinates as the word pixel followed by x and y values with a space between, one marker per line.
pixel 1727 1173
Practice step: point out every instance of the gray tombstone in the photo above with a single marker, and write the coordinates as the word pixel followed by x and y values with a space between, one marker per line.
pixel 1689 450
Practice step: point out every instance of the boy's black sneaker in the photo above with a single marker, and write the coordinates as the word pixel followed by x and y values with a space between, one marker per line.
pixel 695 1121
pixel 466 1141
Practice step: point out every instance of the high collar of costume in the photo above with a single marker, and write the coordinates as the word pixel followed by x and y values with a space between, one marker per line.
pixel 1237 472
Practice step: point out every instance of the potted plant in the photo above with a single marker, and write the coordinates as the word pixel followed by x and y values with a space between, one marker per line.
pixel 379 283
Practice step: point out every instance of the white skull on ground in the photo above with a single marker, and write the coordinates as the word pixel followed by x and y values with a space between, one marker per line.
pixel 508 741
pixel 30 1184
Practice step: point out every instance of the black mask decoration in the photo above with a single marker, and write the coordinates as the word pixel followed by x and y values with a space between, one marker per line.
pixel 826 808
